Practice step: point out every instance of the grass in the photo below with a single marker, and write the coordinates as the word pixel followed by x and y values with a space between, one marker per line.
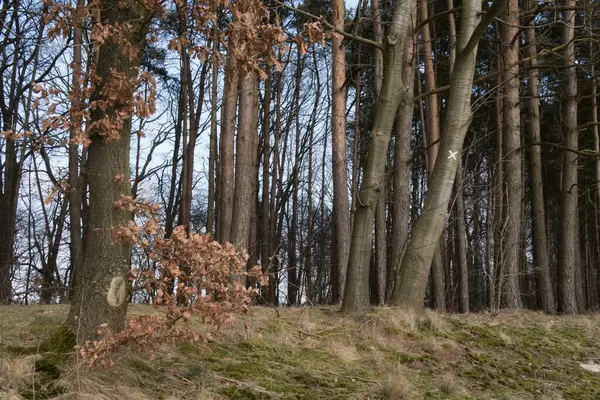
pixel 316 353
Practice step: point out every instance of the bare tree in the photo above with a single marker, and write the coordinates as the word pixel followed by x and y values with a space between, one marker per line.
pixel 414 270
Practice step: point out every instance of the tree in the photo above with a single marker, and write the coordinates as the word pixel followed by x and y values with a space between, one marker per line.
pixel 101 296
pixel 413 272
pixel 538 207
pixel 396 89
pixel 513 157
pixel 569 219
pixel 341 214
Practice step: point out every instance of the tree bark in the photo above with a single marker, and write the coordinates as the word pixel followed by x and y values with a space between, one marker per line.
pixel 513 156
pixel 568 245
pixel 266 251
pixel 245 161
pixel 541 259
pixel 102 295
pixel 341 213
pixel 414 271
pixel 226 172
pixel 213 153
pixel 431 138
pixel 396 89
pixel 75 245
pixel 461 243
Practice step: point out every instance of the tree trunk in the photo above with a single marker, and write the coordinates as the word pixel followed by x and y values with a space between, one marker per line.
pixel 461 243
pixel 396 89
pixel 513 155
pixel 414 271
pixel 213 155
pixel 341 215
pixel 293 270
pixel 75 245
pixel 431 138
pixel 226 173
pixel 567 244
pixel 102 295
pixel 246 153
pixel 266 253
pixel 541 259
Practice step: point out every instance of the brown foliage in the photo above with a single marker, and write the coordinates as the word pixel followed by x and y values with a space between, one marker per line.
pixel 202 271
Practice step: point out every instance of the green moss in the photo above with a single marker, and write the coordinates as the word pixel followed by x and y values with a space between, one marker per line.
pixel 240 394
pixel 61 342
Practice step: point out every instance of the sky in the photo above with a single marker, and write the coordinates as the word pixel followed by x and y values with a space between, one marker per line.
pixel 351 3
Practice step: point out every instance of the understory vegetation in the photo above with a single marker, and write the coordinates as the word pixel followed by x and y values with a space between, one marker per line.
pixel 315 353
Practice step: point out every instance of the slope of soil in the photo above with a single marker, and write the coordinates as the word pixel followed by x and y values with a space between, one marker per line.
pixel 316 353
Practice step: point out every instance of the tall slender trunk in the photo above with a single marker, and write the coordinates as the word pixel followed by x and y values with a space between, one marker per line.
pixel 75 245
pixel 513 155
pixel 541 259
pixel 213 152
pixel 461 229
pixel 432 128
pixel 245 161
pixel 396 89
pixel 195 111
pixel 414 272
pixel 226 171
pixel 14 152
pixel 461 243
pixel 341 214
pixel 266 252
pixel 596 224
pixel 568 244
pixel 276 189
pixel 293 271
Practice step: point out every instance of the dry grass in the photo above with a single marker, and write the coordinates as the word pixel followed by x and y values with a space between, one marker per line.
pixel 448 385
pixel 395 387
pixel 434 321
pixel 16 373
pixel 345 352
pixel 316 353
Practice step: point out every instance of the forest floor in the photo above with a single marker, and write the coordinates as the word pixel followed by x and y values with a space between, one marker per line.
pixel 316 353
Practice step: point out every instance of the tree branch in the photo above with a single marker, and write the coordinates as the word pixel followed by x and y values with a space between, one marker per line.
pixel 330 26
pixel 482 26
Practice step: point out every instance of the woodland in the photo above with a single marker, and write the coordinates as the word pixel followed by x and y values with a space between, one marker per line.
pixel 205 156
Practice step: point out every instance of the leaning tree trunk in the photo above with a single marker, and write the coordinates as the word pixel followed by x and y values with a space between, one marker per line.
pixel 541 259
pixel 432 136
pixel 101 297
pixel 567 243
pixel 396 89
pixel 414 271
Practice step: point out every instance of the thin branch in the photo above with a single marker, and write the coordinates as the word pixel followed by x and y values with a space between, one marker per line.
pixel 582 153
pixel 330 26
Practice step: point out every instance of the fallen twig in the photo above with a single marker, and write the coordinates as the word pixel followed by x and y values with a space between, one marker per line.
pixel 353 378
pixel 244 385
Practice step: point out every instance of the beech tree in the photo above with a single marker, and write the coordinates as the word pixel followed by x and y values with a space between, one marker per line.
pixel 396 88
pixel 414 270
pixel 289 135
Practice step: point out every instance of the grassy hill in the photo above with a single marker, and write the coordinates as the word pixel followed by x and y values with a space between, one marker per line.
pixel 316 353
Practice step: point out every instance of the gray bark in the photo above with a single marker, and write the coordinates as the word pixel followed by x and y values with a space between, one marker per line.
pixel 414 271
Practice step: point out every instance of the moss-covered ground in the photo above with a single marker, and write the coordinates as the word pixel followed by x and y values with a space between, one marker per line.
pixel 316 353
